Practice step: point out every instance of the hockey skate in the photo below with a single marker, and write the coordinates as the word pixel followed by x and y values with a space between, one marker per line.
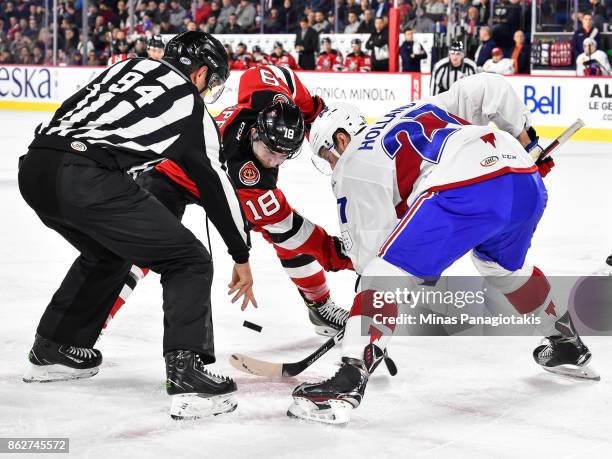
pixel 326 317
pixel 331 401
pixel 195 392
pixel 50 361
pixel 565 354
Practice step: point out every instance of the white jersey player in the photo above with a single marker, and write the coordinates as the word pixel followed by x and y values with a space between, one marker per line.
pixel 455 187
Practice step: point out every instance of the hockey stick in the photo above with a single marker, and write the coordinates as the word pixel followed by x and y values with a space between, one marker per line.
pixel 279 370
pixel 563 137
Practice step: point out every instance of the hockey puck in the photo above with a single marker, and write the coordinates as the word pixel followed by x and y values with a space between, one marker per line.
pixel 252 326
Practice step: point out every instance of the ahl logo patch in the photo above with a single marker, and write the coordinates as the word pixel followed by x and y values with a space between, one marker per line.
pixel 185 60
pixel 78 146
pixel 249 174
pixel 489 161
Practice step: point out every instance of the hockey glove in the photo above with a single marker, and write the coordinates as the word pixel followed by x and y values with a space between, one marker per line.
pixel 544 165
pixel 339 259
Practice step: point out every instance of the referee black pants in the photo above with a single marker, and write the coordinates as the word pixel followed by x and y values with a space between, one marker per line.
pixel 115 223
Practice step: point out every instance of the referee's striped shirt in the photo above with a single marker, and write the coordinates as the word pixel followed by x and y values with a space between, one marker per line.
pixel 143 110
pixel 444 74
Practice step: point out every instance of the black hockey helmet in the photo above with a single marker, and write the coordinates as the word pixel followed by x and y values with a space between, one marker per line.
pixel 456 47
pixel 188 51
pixel 278 44
pixel 280 126
pixel 156 41
pixel 120 46
pixel 256 49
pixel 326 40
pixel 356 41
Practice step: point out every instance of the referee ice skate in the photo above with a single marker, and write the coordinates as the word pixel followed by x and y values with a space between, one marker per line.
pixel 74 177
pixel 451 68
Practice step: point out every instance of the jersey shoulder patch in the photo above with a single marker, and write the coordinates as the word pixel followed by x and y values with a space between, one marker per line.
pixel 249 174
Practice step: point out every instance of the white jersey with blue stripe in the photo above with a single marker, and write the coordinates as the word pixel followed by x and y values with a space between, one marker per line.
pixel 418 148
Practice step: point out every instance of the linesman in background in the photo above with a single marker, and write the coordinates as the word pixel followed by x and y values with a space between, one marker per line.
pixel 451 68
pixel 74 177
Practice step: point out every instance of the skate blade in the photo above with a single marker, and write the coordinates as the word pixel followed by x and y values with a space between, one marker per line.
pixel 338 413
pixel 52 373
pixel 323 330
pixel 186 407
pixel 574 372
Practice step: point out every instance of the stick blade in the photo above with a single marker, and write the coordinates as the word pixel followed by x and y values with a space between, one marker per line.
pixel 256 367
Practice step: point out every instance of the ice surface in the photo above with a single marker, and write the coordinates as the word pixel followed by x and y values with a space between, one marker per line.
pixel 453 397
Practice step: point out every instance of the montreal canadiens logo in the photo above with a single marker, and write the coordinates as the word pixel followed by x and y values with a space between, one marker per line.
pixel 78 146
pixel 489 161
pixel 249 174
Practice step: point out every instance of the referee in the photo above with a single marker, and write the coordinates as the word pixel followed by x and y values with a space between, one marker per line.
pixel 451 69
pixel 74 177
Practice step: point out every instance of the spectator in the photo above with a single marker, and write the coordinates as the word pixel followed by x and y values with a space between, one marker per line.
pixel 421 23
pixel 31 31
pixel 166 27
pixel 484 11
pixel 245 12
pixel 521 54
pixel 321 25
pixel 92 59
pixel 281 57
pixel 378 44
pixel 350 7
pixel 226 10
pixel 290 15
pixel 592 61
pixel 353 23
pixel 232 25
pixel 435 7
pixel 202 12
pixel 483 53
pixel 329 58
pixel 306 44
pixel 24 56
pixel 163 15
pixel 177 14
pixel 331 20
pixel 498 63
pixel 273 22
pixel 411 53
pixel 212 25
pixel 506 20
pixel 38 58
pixel 191 26
pixel 585 30
pixel 472 26
pixel 599 13
pixel 215 8
pixel 70 42
pixel 367 24
pixel 139 47
pixel 357 60
pixel 122 13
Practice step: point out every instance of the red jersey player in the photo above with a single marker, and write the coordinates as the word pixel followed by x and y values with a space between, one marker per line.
pixel 329 58
pixel 243 59
pixel 260 58
pixel 281 57
pixel 254 149
pixel 357 60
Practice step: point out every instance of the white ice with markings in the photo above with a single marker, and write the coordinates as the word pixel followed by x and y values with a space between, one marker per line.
pixel 453 397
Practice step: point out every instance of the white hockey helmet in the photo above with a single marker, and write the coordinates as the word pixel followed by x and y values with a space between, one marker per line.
pixel 334 117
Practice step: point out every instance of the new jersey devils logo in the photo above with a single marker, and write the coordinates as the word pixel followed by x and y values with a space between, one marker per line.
pixel 249 174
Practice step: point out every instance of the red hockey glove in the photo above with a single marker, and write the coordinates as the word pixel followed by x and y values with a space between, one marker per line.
pixel 545 165
pixel 338 258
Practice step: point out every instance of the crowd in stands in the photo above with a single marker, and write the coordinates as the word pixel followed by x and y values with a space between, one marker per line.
pixel 489 30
